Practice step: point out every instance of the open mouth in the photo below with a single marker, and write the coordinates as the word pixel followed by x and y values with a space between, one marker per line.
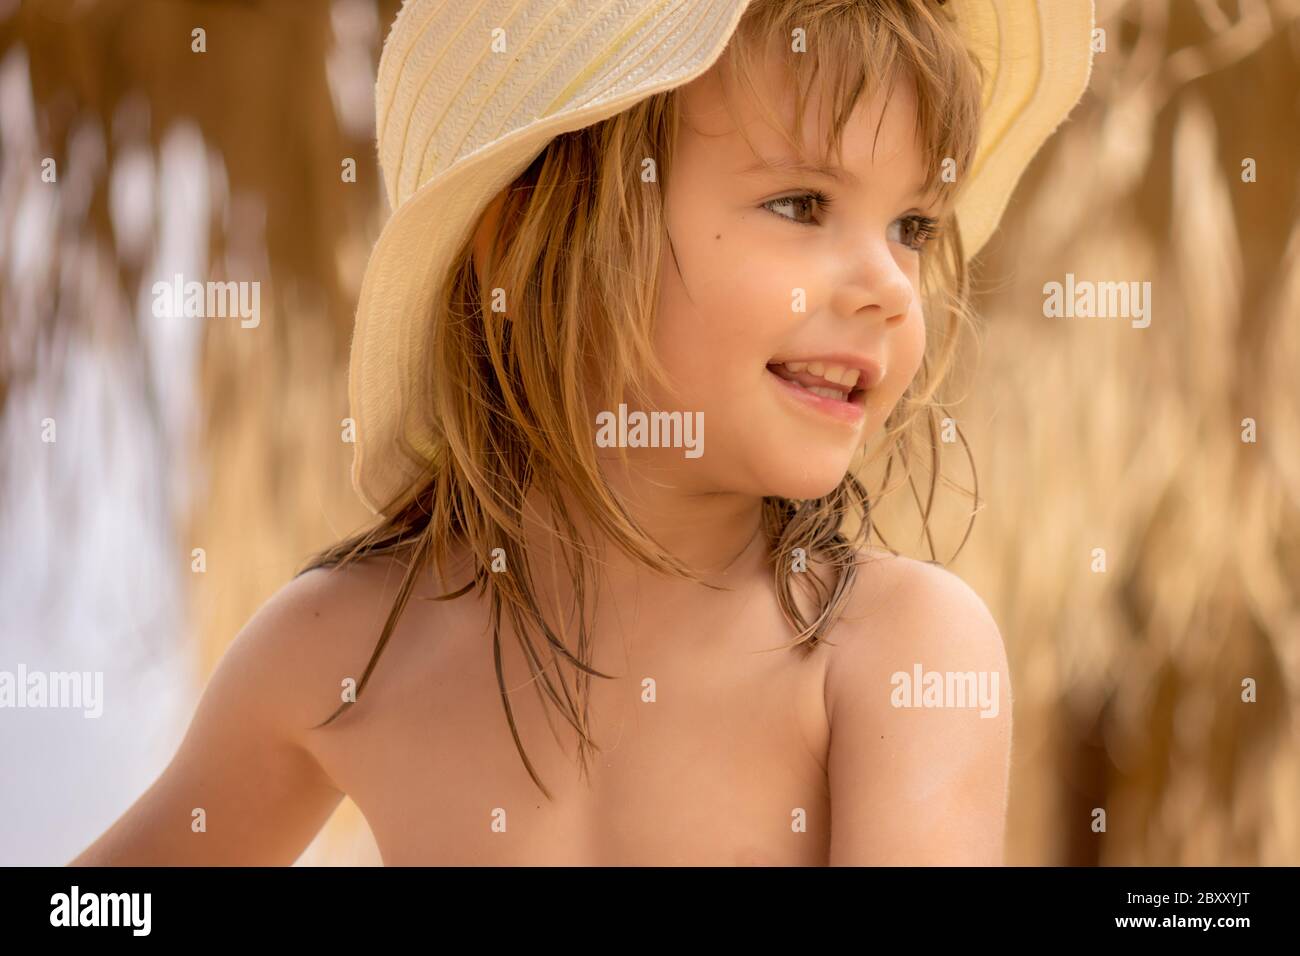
pixel 832 383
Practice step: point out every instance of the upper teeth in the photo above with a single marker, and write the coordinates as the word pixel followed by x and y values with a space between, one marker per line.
pixel 838 374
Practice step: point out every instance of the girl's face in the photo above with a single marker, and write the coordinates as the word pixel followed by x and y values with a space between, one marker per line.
pixel 779 290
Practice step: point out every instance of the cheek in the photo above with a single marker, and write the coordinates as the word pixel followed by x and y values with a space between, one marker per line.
pixel 718 319
pixel 906 352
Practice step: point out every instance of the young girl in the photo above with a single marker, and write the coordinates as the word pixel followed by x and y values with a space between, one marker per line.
pixel 619 364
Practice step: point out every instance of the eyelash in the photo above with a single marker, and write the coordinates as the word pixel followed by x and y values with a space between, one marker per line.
pixel 927 228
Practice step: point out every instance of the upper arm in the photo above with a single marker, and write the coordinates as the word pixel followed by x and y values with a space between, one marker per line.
pixel 241 789
pixel 918 785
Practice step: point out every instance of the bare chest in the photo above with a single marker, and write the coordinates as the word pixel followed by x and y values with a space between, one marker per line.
pixel 711 752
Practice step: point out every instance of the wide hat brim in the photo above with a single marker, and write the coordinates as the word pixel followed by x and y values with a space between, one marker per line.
pixel 1037 60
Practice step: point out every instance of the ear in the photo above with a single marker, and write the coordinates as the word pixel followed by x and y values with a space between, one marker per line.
pixel 485 234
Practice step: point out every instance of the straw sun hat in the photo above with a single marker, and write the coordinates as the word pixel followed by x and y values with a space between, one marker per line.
pixel 457 120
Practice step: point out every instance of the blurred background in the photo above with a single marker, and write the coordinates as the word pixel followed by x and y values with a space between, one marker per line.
pixel 1137 539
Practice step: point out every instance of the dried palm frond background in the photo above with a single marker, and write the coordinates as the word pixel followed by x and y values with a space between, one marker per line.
pixel 1093 434
pixel 1139 555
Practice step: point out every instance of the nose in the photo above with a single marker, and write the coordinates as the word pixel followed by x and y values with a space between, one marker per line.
pixel 875 285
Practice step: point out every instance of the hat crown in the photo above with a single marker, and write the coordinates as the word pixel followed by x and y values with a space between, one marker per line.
pixel 456 76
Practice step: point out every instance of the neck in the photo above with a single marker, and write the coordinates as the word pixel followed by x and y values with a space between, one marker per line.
pixel 718 536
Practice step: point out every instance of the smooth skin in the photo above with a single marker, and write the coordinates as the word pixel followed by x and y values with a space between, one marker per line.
pixel 883 784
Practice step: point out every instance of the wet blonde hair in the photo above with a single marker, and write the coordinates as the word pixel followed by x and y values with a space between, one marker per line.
pixel 578 234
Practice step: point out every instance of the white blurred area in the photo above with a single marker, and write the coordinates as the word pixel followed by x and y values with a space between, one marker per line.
pixel 89 579
pixel 93 549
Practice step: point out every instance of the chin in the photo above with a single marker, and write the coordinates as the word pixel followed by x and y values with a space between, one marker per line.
pixel 804 477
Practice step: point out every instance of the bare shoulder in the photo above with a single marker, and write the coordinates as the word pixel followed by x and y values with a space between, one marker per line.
pixel 919 703
pixel 902 612
pixel 279 677
pixel 897 583
pixel 317 629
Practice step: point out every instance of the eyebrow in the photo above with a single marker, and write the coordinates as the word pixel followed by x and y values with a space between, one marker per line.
pixel 827 170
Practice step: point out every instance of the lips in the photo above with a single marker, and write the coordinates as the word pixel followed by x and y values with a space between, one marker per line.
pixel 825 379
pixel 831 387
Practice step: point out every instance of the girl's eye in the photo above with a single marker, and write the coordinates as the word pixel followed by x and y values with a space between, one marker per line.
pixel 912 231
pixel 915 231
pixel 796 203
